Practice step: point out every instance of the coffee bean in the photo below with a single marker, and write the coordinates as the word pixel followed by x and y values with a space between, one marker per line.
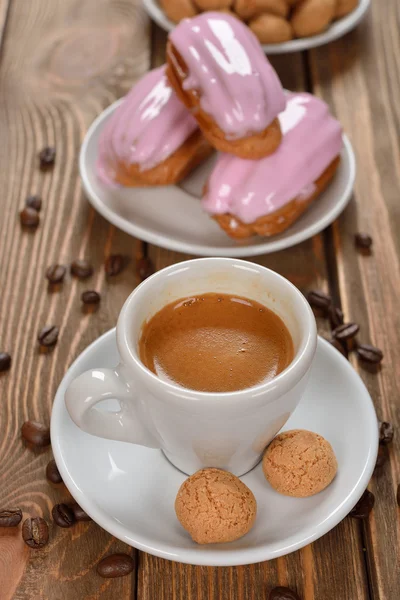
pixel 34 202
pixel 29 217
pixel 363 506
pixel 386 432
pixel 56 273
pixel 47 157
pixel 63 515
pixel 35 532
pixel 318 299
pixel 283 593
pixel 90 297
pixel 336 344
pixel 381 458
pixel 35 434
pixel 346 331
pixel 115 565
pixel 52 472
pixel 335 317
pixel 144 268
pixel 10 517
pixel 369 354
pixel 114 264
pixel 48 336
pixel 398 495
pixel 5 361
pixel 363 240
pixel 81 268
pixel 79 513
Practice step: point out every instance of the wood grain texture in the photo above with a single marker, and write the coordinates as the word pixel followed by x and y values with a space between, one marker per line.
pixel 359 77
pixel 75 59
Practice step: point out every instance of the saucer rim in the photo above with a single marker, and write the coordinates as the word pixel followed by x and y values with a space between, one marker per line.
pixel 240 251
pixel 221 556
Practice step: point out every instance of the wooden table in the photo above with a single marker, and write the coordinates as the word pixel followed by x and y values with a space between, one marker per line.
pixel 62 63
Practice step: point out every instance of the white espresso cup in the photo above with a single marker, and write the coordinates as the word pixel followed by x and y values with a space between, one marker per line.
pixel 228 430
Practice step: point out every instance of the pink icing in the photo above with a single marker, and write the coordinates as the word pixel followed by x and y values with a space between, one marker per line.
pixel 249 189
pixel 148 126
pixel 237 85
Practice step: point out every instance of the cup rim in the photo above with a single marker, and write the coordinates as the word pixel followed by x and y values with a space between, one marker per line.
pixel 289 376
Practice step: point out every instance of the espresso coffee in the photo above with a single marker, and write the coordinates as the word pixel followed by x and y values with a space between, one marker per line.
pixel 216 343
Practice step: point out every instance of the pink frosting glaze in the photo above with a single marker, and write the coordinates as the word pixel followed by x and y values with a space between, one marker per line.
pixel 249 189
pixel 148 126
pixel 237 85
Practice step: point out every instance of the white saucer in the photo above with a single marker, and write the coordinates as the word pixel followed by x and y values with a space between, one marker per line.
pixel 172 217
pixel 336 30
pixel 130 490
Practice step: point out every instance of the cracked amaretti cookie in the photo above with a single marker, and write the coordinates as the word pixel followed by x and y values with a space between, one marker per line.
pixel 214 506
pixel 299 463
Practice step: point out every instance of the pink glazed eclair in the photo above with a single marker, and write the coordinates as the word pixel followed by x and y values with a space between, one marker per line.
pixel 151 139
pixel 266 196
pixel 218 69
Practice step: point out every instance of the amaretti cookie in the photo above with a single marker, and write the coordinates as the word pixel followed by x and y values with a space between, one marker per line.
pixel 344 7
pixel 299 463
pixel 151 138
pixel 218 69
pixel 266 196
pixel 214 506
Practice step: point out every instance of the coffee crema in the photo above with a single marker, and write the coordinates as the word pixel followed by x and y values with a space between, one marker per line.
pixel 216 343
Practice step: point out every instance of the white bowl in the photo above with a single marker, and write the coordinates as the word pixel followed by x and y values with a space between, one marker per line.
pixel 335 31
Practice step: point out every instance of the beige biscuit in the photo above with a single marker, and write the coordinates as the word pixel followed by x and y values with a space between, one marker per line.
pixel 271 29
pixel 215 507
pixel 213 4
pixel 281 219
pixel 344 7
pixel 176 10
pixel 174 168
pixel 246 9
pixel 251 147
pixel 312 16
pixel 299 463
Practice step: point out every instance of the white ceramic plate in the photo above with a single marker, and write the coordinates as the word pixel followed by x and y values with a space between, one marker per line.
pixel 130 490
pixel 335 31
pixel 172 217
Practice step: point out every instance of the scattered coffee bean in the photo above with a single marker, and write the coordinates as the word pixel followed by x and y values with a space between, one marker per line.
pixel 363 240
pixel 79 513
pixel 81 268
pixel 369 354
pixel 56 273
pixel 29 217
pixel 5 361
pixel 34 202
pixel 335 317
pixel 144 268
pixel 346 331
pixel 90 297
pixel 381 458
pixel 386 432
pixel 35 532
pixel 336 344
pixel 318 299
pixel 63 515
pixel 52 472
pixel 10 517
pixel 283 593
pixel 35 434
pixel 115 565
pixel 398 495
pixel 363 506
pixel 47 157
pixel 48 336
pixel 114 264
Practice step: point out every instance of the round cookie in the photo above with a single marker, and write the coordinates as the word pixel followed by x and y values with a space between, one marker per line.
pixel 214 506
pixel 299 463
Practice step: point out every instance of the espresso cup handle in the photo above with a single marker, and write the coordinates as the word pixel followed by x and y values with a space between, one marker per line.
pixel 124 425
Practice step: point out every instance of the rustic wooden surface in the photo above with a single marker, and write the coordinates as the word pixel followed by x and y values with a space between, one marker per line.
pixel 61 63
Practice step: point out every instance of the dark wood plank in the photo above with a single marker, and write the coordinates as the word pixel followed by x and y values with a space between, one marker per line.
pixel 75 58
